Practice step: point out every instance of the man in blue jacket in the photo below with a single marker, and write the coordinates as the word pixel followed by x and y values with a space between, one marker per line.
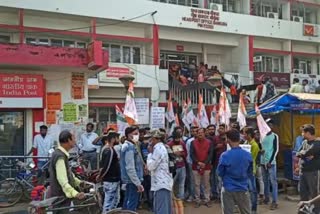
pixel 131 165
pixel 235 169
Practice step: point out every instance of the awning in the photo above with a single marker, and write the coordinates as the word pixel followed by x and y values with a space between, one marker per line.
pixel 303 102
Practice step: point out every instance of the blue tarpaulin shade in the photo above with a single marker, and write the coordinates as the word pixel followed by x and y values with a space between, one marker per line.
pixel 303 102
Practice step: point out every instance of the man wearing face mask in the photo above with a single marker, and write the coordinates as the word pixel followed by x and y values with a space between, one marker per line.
pixel 309 164
pixel 87 148
pixel 131 165
pixel 42 143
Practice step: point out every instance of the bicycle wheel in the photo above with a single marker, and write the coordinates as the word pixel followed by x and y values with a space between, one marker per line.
pixel 11 192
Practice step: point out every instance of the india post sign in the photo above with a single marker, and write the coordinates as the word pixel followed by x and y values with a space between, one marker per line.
pixel 21 91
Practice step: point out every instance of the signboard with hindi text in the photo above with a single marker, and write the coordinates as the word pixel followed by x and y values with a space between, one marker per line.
pixel 70 112
pixel 21 91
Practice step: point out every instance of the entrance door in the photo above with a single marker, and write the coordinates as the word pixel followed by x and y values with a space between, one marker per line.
pixel 12 133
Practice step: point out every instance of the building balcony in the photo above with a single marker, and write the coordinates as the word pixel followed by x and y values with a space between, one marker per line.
pixel 43 57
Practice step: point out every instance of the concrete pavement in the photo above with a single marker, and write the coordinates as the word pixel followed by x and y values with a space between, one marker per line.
pixel 285 206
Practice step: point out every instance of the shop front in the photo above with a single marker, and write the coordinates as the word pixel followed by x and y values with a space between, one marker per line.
pixel 19 93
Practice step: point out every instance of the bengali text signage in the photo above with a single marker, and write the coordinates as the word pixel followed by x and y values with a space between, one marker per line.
pixel 21 91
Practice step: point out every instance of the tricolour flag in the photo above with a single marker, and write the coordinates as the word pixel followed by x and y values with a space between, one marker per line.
pixel 121 121
pixel 202 114
pixel 224 108
pixel 170 113
pixel 241 118
pixel 130 111
pixel 264 129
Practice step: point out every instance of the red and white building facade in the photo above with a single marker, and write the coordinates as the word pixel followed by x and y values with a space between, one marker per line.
pixel 48 42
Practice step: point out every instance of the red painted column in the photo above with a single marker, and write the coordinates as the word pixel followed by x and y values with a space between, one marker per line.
pixel 155 44
pixel 93 29
pixel 21 26
pixel 251 53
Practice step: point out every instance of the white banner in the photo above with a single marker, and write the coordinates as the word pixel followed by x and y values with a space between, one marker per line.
pixel 157 117
pixel 142 106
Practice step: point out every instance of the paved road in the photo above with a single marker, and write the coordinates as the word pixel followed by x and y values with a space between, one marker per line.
pixel 285 206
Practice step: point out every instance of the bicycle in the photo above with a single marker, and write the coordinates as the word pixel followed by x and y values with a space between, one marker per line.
pixel 13 189
pixel 92 203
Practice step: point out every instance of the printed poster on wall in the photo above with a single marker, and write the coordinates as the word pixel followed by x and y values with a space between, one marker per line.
pixel 54 100
pixel 70 112
pixel 142 105
pixel 83 110
pixel 157 117
pixel 51 117
pixel 77 86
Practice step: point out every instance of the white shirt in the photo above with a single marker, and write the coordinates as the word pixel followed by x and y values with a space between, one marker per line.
pixel 43 145
pixel 86 140
pixel 158 165
pixel 188 145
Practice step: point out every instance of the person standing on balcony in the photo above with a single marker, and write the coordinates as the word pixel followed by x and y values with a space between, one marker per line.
pixel 318 88
pixel 259 92
pixel 269 90
pixel 87 148
pixel 179 149
pixel 296 87
pixel 201 155
pixel 306 87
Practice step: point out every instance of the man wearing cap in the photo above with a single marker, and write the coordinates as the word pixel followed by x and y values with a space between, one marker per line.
pixel 270 148
pixel 309 164
pixel 161 178
pixel 131 165
pixel 110 171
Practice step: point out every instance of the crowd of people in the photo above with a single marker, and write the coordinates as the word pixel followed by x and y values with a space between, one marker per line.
pixel 303 87
pixel 192 73
pixel 206 166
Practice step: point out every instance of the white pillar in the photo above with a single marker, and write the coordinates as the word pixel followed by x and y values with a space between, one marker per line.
pixel 204 54
pixel 286 11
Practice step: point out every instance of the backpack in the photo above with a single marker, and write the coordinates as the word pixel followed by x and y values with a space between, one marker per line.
pixel 172 160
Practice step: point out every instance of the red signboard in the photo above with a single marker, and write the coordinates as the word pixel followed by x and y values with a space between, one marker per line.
pixel 20 85
pixel 95 55
pixel 204 18
pixel 180 48
pixel 309 30
pixel 280 80
pixel 21 91
pixel 116 72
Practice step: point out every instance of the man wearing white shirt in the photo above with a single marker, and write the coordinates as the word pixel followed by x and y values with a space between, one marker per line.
pixel 161 178
pixel 87 148
pixel 42 143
